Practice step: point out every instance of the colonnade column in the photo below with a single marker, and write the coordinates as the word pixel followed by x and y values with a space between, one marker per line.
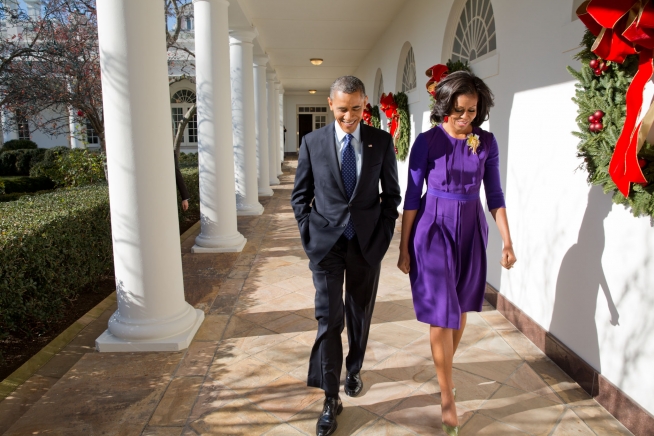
pixel 243 125
pixel 152 314
pixel 275 132
pixel 272 135
pixel 215 151
pixel 261 115
pixel 75 129
pixel 282 143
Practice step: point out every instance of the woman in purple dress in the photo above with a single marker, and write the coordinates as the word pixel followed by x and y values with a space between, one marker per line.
pixel 444 232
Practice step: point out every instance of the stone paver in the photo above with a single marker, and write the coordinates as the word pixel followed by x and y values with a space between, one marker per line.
pixel 245 372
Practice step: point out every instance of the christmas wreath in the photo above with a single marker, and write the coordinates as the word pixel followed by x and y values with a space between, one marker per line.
pixel 609 96
pixel 371 116
pixel 436 73
pixel 396 109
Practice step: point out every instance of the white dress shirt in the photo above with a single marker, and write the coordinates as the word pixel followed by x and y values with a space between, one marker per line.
pixel 355 141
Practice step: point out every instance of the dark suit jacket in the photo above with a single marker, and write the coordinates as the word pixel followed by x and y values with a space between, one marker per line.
pixel 321 206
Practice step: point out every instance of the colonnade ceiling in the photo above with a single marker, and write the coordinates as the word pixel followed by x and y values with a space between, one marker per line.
pixel 341 32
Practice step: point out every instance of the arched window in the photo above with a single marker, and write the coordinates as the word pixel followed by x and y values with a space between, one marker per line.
pixel 379 87
pixel 475 32
pixel 183 96
pixel 409 74
pixel 181 102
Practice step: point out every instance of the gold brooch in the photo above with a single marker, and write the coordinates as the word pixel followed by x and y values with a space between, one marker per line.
pixel 473 142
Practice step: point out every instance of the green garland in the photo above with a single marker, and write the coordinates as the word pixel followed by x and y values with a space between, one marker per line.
pixel 451 67
pixel 404 137
pixel 376 121
pixel 607 93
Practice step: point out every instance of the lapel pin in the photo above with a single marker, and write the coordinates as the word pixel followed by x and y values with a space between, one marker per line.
pixel 369 145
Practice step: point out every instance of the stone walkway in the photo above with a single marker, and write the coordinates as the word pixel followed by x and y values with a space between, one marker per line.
pixel 245 372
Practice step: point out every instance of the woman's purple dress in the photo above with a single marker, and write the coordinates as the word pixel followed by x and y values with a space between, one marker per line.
pixel 450 233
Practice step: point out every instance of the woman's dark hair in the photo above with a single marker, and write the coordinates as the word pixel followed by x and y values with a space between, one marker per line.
pixel 461 83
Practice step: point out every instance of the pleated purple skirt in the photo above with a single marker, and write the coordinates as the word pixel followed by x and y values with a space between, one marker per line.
pixel 448 258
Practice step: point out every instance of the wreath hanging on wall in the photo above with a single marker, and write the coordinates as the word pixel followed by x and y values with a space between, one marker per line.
pixel 610 98
pixel 436 73
pixel 396 109
pixel 371 116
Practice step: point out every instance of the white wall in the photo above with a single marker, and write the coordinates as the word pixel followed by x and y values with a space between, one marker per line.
pixel 567 236
pixel 291 102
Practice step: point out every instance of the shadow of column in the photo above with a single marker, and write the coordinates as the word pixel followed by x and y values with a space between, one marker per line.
pixel 580 277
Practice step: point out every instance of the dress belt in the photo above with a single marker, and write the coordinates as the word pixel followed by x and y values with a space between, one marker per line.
pixel 452 195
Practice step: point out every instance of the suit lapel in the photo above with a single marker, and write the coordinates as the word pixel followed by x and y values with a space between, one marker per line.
pixel 329 144
pixel 365 153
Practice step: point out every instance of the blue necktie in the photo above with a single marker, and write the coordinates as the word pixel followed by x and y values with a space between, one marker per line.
pixel 349 174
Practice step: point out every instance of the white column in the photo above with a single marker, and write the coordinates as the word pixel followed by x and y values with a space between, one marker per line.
pixel 282 143
pixel 243 125
pixel 261 115
pixel 9 130
pixel 152 314
pixel 278 130
pixel 75 129
pixel 272 135
pixel 215 152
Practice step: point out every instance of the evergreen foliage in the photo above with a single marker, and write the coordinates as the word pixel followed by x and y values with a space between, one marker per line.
pixel 18 144
pixel 51 246
pixel 404 137
pixel 607 93
pixel 19 162
pixel 68 168
pixel 55 244
pixel 26 184
pixel 376 120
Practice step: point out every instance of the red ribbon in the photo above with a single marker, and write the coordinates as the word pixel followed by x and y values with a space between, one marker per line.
pixel 367 114
pixel 436 73
pixel 388 105
pixel 623 28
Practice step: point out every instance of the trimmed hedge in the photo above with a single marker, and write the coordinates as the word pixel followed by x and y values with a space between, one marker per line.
pixel 18 144
pixel 26 184
pixel 53 245
pixel 19 162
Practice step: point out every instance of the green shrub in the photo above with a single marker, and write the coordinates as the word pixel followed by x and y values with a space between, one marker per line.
pixel 192 181
pixel 55 244
pixel 19 162
pixel 51 246
pixel 18 144
pixel 26 184
pixel 188 160
pixel 69 168
pixel 11 197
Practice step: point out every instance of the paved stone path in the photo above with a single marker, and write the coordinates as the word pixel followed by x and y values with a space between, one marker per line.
pixel 245 372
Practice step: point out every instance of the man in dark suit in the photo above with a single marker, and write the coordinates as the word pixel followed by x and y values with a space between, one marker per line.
pixel 346 225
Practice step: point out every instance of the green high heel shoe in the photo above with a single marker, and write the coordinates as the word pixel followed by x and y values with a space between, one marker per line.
pixel 451 430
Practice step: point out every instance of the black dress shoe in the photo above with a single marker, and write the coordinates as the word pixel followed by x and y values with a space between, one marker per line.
pixel 327 424
pixel 353 384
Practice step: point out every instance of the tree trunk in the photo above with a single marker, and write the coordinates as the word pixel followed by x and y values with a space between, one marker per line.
pixel 179 135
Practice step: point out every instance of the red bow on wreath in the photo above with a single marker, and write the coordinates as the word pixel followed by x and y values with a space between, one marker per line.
pixel 622 28
pixel 388 105
pixel 435 73
pixel 367 114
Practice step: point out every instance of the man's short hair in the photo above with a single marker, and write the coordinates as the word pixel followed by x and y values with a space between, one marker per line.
pixel 348 85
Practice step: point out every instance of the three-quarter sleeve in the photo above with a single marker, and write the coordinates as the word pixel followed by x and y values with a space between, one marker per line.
pixel 418 160
pixel 492 183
